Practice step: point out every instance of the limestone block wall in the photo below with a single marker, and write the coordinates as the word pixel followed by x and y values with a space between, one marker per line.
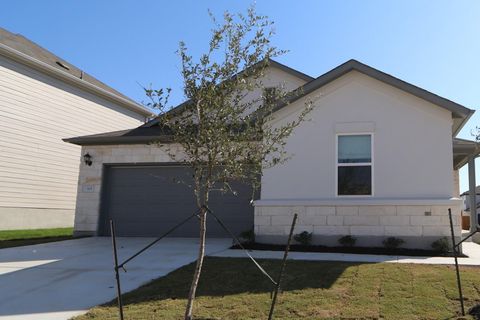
pixel 417 225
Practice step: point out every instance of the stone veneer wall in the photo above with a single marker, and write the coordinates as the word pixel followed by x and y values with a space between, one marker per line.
pixel 417 225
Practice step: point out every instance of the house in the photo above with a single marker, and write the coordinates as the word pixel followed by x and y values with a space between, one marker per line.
pixel 466 199
pixel 466 206
pixel 43 98
pixel 378 159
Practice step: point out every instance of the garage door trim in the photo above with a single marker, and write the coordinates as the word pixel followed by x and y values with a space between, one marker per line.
pixel 113 198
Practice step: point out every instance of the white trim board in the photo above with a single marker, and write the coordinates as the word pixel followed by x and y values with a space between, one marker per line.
pixel 356 202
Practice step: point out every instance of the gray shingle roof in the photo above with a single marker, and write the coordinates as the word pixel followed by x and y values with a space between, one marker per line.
pixel 140 135
pixel 477 191
pixel 460 114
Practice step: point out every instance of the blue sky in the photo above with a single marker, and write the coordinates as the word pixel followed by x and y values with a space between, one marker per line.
pixel 432 44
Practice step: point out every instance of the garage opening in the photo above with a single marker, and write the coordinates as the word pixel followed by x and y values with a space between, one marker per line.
pixel 146 201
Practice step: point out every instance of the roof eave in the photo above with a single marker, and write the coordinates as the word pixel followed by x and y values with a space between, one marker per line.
pixel 463 122
pixel 43 67
pixel 179 108
pixel 463 151
pixel 454 107
pixel 92 141
pixel 291 71
pixel 457 110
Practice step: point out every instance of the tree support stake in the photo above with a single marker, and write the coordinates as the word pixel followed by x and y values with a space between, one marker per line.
pixel 455 247
pixel 117 275
pixel 118 266
pixel 282 269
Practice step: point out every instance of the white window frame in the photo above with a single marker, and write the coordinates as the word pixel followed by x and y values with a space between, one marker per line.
pixel 356 164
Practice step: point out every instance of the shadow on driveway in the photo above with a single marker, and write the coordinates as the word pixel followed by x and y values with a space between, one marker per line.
pixel 63 279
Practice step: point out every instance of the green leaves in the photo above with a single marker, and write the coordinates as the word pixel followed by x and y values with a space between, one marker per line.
pixel 226 122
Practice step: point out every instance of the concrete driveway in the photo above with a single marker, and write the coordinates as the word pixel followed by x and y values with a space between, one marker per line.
pixel 62 279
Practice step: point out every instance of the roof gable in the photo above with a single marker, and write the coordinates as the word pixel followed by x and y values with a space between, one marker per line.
pixel 271 63
pixel 459 112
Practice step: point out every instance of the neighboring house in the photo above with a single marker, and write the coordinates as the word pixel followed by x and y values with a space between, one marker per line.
pixel 466 199
pixel 467 202
pixel 379 158
pixel 43 98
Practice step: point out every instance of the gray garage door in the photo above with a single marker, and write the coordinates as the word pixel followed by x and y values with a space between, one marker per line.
pixel 149 200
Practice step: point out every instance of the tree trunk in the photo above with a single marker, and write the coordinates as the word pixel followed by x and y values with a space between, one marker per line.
pixel 198 267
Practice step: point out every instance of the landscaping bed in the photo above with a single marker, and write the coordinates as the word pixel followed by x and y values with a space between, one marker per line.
pixel 355 250
pixel 17 238
pixel 233 288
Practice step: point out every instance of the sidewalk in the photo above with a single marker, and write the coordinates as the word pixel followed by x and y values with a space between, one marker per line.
pixel 472 250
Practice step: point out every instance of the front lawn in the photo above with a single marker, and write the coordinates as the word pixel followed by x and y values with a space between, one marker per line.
pixel 16 238
pixel 232 288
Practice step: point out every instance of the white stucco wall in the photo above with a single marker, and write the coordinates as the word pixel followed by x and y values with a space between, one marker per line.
pixel 275 77
pixel 412 145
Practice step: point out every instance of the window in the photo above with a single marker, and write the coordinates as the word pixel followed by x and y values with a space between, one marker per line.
pixel 354 165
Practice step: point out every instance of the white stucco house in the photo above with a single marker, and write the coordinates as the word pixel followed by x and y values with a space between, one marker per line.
pixel 379 158
pixel 466 199
pixel 43 98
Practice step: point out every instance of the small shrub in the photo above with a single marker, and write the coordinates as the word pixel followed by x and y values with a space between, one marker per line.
pixel 247 236
pixel 304 238
pixel 347 241
pixel 392 242
pixel 441 245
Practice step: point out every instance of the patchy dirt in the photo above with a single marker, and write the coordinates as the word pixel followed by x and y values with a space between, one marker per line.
pixel 355 250
pixel 475 311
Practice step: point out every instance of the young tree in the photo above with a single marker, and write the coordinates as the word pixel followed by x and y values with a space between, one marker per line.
pixel 224 130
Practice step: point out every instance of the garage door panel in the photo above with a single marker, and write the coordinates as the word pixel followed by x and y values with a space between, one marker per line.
pixel 149 200
pixel 190 229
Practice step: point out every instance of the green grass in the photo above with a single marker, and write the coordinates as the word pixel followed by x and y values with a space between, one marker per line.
pixel 15 238
pixel 234 289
